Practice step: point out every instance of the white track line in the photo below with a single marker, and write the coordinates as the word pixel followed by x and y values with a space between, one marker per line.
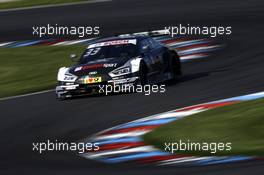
pixel 6 43
pixel 54 5
pixel 197 49
pixel 122 151
pixel 193 56
pixel 120 135
pixel 175 114
pixel 25 95
pixel 182 160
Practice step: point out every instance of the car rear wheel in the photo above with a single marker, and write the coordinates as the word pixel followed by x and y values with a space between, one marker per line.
pixel 143 79
pixel 175 65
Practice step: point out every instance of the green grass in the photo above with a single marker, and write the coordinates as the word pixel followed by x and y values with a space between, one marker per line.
pixel 241 124
pixel 31 69
pixel 29 3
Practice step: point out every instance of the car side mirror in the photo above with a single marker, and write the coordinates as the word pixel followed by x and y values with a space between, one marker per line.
pixel 74 57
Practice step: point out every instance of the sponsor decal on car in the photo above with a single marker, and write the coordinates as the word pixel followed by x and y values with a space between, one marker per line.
pixel 114 42
pixel 93 73
pixel 91 80
pixel 110 65
pixel 95 66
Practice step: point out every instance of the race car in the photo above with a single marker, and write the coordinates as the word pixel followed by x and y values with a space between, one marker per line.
pixel 133 60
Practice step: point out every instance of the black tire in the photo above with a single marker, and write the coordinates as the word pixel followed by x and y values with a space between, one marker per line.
pixel 143 78
pixel 175 65
pixel 61 98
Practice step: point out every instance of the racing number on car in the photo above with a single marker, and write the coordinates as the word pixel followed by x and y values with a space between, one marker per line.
pixel 92 51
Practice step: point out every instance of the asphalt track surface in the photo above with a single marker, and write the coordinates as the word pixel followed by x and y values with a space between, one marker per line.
pixel 238 69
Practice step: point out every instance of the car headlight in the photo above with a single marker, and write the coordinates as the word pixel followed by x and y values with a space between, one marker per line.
pixel 69 77
pixel 121 71
pixel 65 76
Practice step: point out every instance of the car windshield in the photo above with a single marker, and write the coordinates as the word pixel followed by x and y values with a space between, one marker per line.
pixel 110 51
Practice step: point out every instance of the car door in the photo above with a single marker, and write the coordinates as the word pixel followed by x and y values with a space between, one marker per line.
pixel 148 55
pixel 157 51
